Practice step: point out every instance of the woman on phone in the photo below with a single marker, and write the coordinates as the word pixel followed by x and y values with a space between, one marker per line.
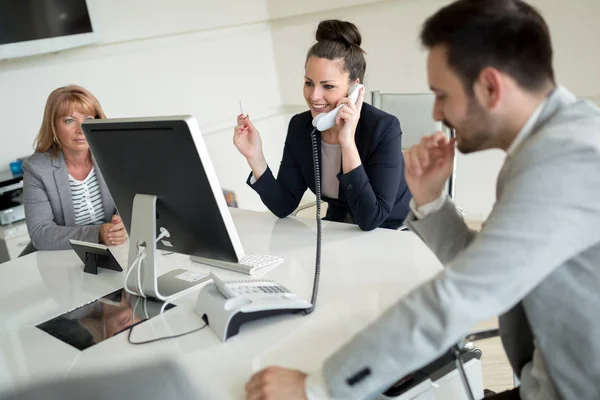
pixel 360 158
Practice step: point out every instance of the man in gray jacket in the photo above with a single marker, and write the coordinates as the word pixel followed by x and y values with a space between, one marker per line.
pixel 536 262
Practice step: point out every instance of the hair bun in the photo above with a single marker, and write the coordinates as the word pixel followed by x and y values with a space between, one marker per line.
pixel 338 31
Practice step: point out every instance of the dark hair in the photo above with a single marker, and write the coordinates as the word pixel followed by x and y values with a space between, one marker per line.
pixel 509 35
pixel 340 40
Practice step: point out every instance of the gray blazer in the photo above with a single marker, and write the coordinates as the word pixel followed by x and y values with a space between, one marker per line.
pixel 49 211
pixel 536 262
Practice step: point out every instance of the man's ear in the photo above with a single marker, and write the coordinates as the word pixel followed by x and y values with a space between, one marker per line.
pixel 488 88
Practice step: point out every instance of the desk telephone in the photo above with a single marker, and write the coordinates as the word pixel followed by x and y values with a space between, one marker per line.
pixel 225 306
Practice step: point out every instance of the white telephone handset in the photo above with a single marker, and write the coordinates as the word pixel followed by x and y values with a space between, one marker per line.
pixel 326 121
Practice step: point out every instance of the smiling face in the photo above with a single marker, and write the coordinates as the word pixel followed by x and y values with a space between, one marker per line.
pixel 325 83
pixel 69 133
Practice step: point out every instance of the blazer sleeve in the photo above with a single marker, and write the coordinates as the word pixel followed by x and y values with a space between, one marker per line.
pixel 508 259
pixel 282 195
pixel 446 243
pixel 371 189
pixel 44 233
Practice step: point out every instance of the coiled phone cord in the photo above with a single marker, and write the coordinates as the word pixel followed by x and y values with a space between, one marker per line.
pixel 315 154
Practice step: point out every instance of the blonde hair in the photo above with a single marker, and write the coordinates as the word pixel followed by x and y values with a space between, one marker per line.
pixel 61 102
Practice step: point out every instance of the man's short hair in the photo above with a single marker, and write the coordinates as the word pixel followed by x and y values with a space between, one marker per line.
pixel 509 35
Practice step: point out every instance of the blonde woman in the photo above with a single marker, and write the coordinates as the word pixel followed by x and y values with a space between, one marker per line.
pixel 64 193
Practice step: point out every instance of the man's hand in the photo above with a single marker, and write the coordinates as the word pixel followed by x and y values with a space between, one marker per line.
pixel 429 164
pixel 276 383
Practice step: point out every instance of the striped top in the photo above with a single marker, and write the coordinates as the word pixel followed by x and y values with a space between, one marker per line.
pixel 87 200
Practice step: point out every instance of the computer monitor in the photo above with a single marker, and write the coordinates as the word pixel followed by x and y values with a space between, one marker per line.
pixel 160 175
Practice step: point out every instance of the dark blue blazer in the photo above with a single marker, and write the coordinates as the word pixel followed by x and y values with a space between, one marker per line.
pixel 374 194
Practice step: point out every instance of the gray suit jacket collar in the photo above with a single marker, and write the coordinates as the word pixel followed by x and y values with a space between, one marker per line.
pixel 558 99
pixel 61 177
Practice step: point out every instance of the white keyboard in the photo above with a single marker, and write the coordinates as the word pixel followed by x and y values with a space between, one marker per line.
pixel 260 260
pixel 249 264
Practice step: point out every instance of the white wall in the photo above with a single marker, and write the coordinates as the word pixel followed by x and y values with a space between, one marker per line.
pixel 201 57
pixel 191 57
pixel 159 58
pixel 396 63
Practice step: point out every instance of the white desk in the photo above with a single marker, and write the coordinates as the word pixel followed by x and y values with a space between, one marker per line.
pixel 363 273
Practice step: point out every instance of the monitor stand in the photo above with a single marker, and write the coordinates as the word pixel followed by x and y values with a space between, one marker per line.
pixel 142 235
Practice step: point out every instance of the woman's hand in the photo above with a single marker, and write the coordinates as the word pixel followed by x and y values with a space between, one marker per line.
pixel 113 233
pixel 347 119
pixel 246 138
pixel 248 142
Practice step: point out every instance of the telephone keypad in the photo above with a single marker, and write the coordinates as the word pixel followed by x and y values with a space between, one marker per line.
pixel 248 288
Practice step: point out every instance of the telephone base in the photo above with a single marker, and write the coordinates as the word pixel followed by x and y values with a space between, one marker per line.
pixel 226 315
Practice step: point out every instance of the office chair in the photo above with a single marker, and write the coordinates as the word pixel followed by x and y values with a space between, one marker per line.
pixel 414 111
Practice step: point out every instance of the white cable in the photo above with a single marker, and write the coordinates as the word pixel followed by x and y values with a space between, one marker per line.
pixel 146 308
pixel 129 271
pixel 162 309
pixel 139 273
pixel 163 233
pixel 133 309
pixel 143 252
pixel 138 262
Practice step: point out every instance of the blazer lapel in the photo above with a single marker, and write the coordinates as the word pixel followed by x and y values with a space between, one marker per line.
pixel 61 178
pixel 107 201
pixel 556 101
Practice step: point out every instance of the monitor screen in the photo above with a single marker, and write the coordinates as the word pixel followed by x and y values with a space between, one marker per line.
pixel 26 20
